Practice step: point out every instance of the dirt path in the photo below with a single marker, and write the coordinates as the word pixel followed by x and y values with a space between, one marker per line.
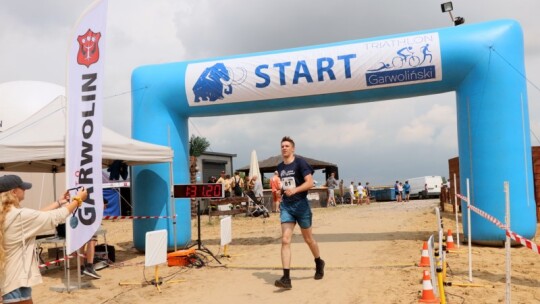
pixel 370 253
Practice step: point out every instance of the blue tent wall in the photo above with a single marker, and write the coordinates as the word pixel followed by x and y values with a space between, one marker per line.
pixel 113 197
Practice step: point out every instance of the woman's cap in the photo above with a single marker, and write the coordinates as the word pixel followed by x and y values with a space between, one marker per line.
pixel 10 182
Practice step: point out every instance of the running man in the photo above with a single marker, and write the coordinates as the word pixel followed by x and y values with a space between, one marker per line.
pixel 296 179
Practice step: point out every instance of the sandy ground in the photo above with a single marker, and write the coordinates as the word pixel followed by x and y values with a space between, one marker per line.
pixel 371 254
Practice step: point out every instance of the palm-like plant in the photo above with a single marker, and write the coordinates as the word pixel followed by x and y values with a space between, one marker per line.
pixel 197 146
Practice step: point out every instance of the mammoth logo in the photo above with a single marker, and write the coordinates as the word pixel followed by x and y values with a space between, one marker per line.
pixel 88 48
pixel 216 81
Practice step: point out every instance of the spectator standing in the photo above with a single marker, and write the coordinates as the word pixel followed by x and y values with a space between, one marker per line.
pixel 341 191
pixel 228 185
pixel 443 196
pixel 360 189
pixel 331 183
pixel 247 186
pixel 351 192
pixel 368 192
pixel 257 186
pixel 222 180
pixel 407 189
pixel 237 184
pixel 275 185
pixel 396 192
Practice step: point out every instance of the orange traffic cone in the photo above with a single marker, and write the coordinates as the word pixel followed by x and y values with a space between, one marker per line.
pixel 450 241
pixel 424 259
pixel 427 290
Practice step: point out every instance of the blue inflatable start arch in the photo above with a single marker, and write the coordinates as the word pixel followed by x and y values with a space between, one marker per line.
pixel 482 63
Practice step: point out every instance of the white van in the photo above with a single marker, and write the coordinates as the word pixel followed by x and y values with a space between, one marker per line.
pixel 419 184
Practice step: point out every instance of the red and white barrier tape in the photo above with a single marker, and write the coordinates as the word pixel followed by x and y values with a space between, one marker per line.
pixel 464 198
pixel 118 217
pixel 488 217
pixel 47 264
pixel 516 237
pixel 523 241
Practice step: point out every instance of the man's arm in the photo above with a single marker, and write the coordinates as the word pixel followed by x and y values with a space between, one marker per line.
pixel 308 183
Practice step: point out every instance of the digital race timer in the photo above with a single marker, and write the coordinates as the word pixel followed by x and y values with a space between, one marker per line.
pixel 199 191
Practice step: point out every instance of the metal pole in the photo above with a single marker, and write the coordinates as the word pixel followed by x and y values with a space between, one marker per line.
pixel 171 180
pixel 439 231
pixel 456 209
pixel 79 265
pixel 172 203
pixel 507 245
pixel 66 267
pixel 469 230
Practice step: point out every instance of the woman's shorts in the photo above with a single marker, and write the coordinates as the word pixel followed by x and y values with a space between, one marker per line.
pixel 297 212
pixel 18 295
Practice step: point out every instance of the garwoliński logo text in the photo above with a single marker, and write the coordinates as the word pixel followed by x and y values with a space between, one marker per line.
pixel 405 66
pixel 88 48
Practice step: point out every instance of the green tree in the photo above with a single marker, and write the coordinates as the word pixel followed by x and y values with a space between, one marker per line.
pixel 197 146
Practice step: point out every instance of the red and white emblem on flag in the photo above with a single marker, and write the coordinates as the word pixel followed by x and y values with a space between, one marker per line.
pixel 88 48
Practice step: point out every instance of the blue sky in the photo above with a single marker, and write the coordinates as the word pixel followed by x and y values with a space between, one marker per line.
pixel 377 142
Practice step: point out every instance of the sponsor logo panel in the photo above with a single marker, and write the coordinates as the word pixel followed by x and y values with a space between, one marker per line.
pixel 342 68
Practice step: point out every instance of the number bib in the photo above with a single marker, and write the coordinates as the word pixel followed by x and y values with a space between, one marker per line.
pixel 288 183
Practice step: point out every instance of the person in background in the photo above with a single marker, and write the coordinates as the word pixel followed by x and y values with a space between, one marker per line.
pixel 89 249
pixel 275 184
pixel 331 183
pixel 396 192
pixel 296 179
pixel 247 184
pixel 228 185
pixel 361 193
pixel 19 270
pixel 257 186
pixel 341 191
pixel 443 196
pixel 225 180
pixel 237 184
pixel 367 190
pixel 351 192
pixel 221 179
pixel 407 189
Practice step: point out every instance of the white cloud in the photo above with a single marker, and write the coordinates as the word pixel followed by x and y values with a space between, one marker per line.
pixel 431 128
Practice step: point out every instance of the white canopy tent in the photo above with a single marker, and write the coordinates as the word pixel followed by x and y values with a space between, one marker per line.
pixel 37 144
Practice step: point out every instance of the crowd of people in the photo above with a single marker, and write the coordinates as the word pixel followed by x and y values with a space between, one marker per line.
pixel 355 194
pixel 236 186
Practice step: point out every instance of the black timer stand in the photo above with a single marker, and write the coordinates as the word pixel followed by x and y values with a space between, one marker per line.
pixel 198 243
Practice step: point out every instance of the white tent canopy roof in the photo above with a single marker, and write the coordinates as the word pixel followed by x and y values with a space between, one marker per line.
pixel 37 144
pixel 22 98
